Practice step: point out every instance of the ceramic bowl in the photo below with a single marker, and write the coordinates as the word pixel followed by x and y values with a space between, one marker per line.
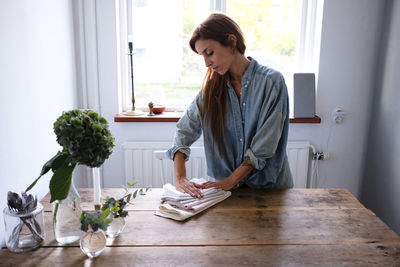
pixel 158 109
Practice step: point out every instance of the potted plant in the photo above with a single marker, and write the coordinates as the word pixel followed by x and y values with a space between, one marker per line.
pixel 93 224
pixel 86 140
pixel 117 209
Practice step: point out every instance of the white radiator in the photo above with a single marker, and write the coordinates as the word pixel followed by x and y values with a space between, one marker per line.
pixel 141 164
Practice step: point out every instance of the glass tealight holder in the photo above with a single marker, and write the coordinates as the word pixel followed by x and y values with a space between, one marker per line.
pixel 24 232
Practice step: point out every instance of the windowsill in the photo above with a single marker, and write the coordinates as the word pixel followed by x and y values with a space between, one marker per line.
pixel 175 116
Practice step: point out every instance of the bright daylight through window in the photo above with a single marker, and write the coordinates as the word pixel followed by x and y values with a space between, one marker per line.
pixel 167 72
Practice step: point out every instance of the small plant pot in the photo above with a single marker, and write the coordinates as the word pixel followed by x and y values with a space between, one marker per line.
pixel 93 243
pixel 115 228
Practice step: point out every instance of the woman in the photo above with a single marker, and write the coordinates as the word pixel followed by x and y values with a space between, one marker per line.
pixel 242 111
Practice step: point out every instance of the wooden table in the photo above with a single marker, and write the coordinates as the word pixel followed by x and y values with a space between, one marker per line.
pixel 293 227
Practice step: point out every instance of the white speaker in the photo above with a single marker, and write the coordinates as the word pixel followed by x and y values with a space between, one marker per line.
pixel 304 95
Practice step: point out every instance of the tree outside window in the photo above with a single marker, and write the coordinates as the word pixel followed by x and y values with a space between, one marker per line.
pixel 167 72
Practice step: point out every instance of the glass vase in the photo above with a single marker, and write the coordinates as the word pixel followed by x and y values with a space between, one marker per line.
pixel 24 232
pixel 66 217
pixel 93 243
pixel 115 228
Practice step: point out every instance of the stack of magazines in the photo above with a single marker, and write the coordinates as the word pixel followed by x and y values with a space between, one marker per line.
pixel 180 206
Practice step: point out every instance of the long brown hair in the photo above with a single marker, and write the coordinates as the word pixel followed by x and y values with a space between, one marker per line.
pixel 217 27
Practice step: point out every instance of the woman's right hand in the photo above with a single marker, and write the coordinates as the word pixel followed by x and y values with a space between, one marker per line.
pixel 185 186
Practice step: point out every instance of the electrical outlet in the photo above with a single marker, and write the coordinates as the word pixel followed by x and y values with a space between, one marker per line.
pixel 325 155
pixel 338 115
pixel 320 156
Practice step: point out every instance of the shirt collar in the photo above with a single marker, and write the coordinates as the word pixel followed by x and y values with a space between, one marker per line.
pixel 248 74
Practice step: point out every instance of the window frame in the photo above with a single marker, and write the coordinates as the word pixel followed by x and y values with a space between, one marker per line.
pixel 307 47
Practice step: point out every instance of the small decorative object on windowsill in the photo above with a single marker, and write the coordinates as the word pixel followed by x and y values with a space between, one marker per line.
pixel 158 109
pixel 117 212
pixel 23 220
pixel 94 224
pixel 85 139
pixel 133 112
pixel 151 113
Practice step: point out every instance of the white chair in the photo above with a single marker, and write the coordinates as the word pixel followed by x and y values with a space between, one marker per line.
pixel 195 167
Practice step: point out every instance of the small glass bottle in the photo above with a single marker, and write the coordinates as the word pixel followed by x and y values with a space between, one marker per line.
pixel 115 228
pixel 66 218
pixel 93 242
pixel 24 232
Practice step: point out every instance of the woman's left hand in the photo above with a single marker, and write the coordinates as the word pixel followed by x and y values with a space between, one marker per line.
pixel 225 184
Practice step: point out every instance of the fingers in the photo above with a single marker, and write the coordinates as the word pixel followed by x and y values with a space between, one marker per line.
pixel 189 188
pixel 180 189
pixel 198 185
pixel 193 191
pixel 217 185
pixel 208 185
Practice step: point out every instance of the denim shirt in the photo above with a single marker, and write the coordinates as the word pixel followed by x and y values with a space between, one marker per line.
pixel 256 127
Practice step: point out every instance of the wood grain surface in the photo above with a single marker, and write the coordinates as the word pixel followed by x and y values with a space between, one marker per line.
pixel 295 227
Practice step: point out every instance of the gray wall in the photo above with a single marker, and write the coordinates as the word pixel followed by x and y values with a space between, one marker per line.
pixel 37 82
pixel 381 184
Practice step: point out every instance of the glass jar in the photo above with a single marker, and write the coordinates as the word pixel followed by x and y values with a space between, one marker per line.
pixel 66 218
pixel 24 232
pixel 115 228
pixel 93 243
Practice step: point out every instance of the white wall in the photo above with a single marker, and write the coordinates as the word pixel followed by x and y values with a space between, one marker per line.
pixel 350 40
pixel 37 82
pixel 381 186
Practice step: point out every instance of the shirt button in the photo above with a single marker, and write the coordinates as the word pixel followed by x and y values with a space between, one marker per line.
pixel 245 85
pixel 241 139
pixel 244 104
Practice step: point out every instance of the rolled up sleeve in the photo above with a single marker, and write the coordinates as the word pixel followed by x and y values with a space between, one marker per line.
pixel 272 119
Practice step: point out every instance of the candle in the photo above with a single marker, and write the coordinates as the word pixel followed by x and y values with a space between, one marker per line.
pixel 130 43
pixel 96 188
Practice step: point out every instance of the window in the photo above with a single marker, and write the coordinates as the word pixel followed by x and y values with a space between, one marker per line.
pixel 278 33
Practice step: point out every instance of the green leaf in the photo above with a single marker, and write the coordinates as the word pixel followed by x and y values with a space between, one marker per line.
pixel 115 209
pixel 105 213
pixel 33 184
pixel 142 192
pixel 61 182
pixel 135 193
pixel 59 160
pixel 131 184
pixel 49 165
pixel 124 214
pixel 95 219
pixel 55 213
